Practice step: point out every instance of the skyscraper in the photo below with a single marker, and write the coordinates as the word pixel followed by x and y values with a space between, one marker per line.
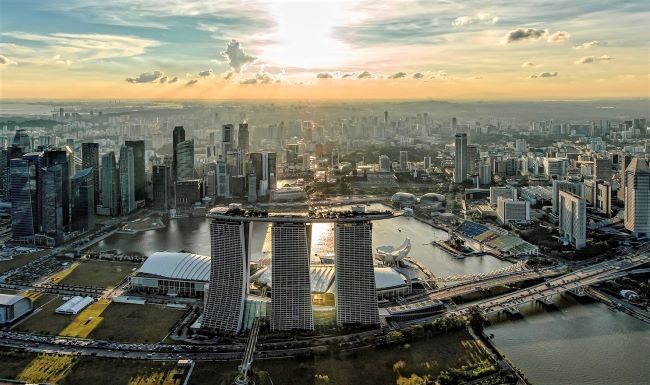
pixel 185 160
pixel 178 137
pixel 64 158
pixel 138 167
pixel 222 181
pixel 403 160
pixel 461 158
pixel 4 173
pixel 384 163
pixel 83 200
pixel 573 218
pixel 22 215
pixel 53 209
pixel 226 139
pixel 161 180
pixel 243 138
pixel 90 159
pixel 637 197
pixel 229 275
pixel 127 181
pixel 356 296
pixel 110 184
pixel 291 289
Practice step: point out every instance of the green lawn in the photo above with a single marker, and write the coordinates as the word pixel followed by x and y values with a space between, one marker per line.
pixel 99 273
pixel 136 323
pixel 12 363
pixel 98 371
pixel 19 260
pixel 428 356
pixel 44 320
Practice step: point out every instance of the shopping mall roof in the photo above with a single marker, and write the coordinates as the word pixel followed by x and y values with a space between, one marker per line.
pixel 387 277
pixel 181 266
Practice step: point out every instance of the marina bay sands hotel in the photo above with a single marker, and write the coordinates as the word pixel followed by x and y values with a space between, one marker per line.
pixel 291 301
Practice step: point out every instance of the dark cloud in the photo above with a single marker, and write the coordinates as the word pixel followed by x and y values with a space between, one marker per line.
pixel 524 34
pixel 191 82
pixel 236 57
pixel 173 80
pixel 228 75
pixel 265 77
pixel 324 75
pixel 146 77
pixel 249 81
pixel 206 73
pixel 348 75
pixel 365 75
pixel 5 61
pixel 398 75
pixel 544 75
pixel 163 80
pixel 418 75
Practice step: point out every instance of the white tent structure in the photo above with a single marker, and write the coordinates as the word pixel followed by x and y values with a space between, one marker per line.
pixel 390 255
pixel 74 305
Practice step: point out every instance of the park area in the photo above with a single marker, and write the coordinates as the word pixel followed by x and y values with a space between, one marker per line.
pixel 99 273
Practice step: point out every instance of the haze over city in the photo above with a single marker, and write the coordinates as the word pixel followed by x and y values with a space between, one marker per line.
pixel 324 192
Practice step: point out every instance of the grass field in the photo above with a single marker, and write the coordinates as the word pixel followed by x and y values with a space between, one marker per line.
pixel 136 323
pixel 85 322
pixel 99 273
pixel 45 320
pixel 11 364
pixel 47 368
pixel 19 260
pixel 384 366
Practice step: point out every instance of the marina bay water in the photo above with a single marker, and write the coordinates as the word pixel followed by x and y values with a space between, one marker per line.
pixel 577 343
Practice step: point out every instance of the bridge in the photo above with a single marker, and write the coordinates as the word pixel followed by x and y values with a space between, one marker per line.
pixel 519 266
pixel 247 360
pixel 574 281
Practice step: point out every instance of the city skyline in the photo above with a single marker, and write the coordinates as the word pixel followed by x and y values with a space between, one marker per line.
pixel 323 50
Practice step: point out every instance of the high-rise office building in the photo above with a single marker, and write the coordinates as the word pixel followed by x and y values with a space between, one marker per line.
pixel 485 174
pixel 603 169
pixel 637 197
pixel 243 138
pixel 509 210
pixel 22 140
pixel 403 160
pixel 4 174
pixel 53 209
pixel 235 162
pixel 384 163
pixel 222 180
pixel 178 137
pixel 185 160
pixel 252 187
pixel 110 179
pixel 356 296
pixel 573 218
pixel 52 157
pixel 473 158
pixel 138 167
pixel 90 159
pixel 624 161
pixel 22 201
pixel 291 289
pixel 127 181
pixel 83 200
pixel 505 192
pixel 264 165
pixel 161 178
pixel 461 158
pixel 574 187
pixel 227 132
pixel 229 276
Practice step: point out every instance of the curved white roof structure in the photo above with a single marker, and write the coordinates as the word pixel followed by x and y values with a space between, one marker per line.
pixel 387 277
pixel 389 254
pixel 181 266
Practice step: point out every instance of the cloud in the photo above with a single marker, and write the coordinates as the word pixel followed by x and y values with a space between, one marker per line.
pixel 191 82
pixel 87 47
pixel 173 80
pixel 398 75
pixel 593 59
pixel 524 34
pixel 228 75
pixel 588 45
pixel 418 75
pixel 266 78
pixel 530 64
pixel 544 75
pixel 365 75
pixel 348 75
pixel 163 80
pixel 5 61
pixel 206 73
pixel 248 81
pixel 146 77
pixel 440 75
pixel 482 17
pixel 236 57
pixel 324 75
pixel 559 37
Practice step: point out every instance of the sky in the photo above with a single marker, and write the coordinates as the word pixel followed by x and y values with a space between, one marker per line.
pixel 443 50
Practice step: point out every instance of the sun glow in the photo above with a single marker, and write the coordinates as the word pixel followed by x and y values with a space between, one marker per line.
pixel 305 35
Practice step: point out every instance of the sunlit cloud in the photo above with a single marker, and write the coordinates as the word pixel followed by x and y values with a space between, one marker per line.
pixel 483 18
pixel 5 61
pixel 365 75
pixel 146 77
pixel 559 37
pixel 588 45
pixel 544 75
pixel 398 75
pixel 206 73
pixel 530 64
pixel 524 34
pixel 236 57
